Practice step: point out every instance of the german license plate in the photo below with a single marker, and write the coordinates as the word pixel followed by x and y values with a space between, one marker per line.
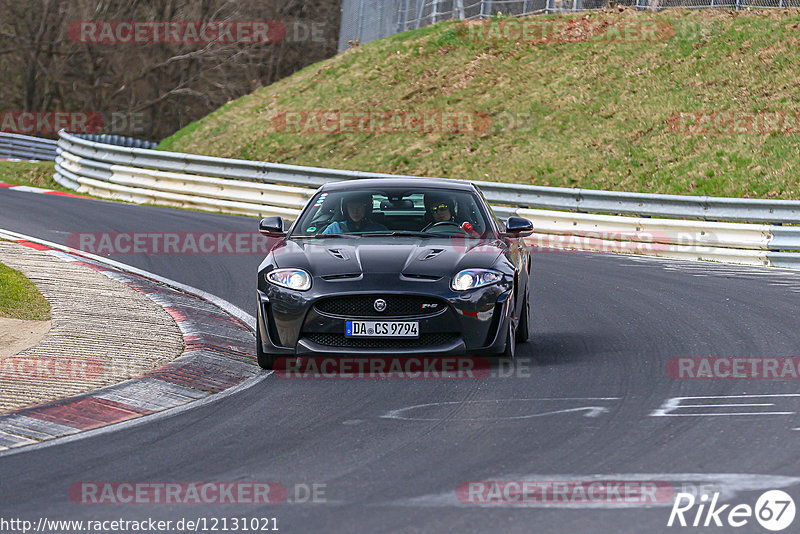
pixel 381 329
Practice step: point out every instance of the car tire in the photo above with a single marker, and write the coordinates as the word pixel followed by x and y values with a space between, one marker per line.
pixel 265 361
pixel 511 342
pixel 524 326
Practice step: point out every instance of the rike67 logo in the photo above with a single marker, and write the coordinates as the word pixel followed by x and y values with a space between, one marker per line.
pixel 774 510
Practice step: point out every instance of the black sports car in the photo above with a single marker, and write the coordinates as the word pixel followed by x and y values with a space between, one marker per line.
pixel 394 266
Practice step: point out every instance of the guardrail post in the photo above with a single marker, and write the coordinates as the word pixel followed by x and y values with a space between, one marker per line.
pixel 420 10
pixel 402 18
pixel 460 9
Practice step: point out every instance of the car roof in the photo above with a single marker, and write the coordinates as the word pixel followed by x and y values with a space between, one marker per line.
pixel 378 183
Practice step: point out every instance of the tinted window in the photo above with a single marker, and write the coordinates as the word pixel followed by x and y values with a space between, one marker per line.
pixel 411 210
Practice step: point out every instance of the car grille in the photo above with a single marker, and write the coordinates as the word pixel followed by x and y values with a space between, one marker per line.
pixel 339 340
pixel 396 306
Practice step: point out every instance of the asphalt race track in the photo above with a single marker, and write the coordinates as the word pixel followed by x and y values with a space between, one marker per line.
pixel 589 399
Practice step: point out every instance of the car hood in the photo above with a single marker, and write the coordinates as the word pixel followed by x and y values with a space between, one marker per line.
pixel 429 257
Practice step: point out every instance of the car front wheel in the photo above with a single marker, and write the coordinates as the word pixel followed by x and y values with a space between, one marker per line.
pixel 265 361
pixel 511 342
pixel 524 326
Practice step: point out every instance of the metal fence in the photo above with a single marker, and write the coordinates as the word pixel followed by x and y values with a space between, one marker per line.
pixel 368 20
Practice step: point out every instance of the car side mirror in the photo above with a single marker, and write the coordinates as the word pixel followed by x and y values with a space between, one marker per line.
pixel 272 227
pixel 518 227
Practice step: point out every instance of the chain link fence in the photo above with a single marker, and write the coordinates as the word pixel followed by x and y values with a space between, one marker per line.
pixel 368 20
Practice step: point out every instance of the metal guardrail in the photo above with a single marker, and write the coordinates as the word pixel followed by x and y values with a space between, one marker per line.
pixel 137 184
pixel 37 148
pixel 749 244
pixel 119 140
pixel 261 188
pixel 514 195
pixel 18 146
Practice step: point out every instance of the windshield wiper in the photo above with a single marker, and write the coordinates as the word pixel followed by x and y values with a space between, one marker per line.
pixel 393 233
pixel 321 236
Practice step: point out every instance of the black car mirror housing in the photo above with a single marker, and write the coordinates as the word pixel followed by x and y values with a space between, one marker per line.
pixel 272 227
pixel 518 227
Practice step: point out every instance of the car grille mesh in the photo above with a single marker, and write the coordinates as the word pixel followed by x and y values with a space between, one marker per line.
pixel 339 340
pixel 396 306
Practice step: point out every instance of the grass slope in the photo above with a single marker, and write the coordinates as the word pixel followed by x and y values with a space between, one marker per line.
pixel 19 298
pixel 34 174
pixel 576 114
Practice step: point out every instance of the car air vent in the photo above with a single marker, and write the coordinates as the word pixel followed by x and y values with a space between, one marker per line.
pixel 427 277
pixel 338 253
pixel 397 305
pixel 347 276
pixel 432 253
pixel 339 340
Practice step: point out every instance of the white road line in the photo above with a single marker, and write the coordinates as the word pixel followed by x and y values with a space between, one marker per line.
pixel 29 189
pixel 723 405
pixel 674 404
pixel 591 411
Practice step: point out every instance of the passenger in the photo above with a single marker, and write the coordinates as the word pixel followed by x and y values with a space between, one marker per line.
pixel 357 208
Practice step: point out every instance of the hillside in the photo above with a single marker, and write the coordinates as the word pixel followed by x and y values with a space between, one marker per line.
pixel 701 102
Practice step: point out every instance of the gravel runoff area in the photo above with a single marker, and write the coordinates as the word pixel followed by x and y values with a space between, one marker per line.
pixel 102 332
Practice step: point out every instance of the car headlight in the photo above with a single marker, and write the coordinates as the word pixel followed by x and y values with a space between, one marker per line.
pixel 296 279
pixel 472 278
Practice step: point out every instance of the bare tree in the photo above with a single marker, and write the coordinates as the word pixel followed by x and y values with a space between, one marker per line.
pixel 165 85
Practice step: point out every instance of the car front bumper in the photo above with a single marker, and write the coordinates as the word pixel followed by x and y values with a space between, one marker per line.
pixel 472 322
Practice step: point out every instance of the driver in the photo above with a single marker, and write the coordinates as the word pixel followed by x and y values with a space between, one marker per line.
pixel 441 210
pixel 356 207
pixel 438 208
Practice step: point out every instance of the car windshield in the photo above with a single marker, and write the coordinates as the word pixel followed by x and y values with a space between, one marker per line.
pixel 418 211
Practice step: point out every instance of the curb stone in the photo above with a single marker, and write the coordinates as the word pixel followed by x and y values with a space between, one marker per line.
pixel 218 355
